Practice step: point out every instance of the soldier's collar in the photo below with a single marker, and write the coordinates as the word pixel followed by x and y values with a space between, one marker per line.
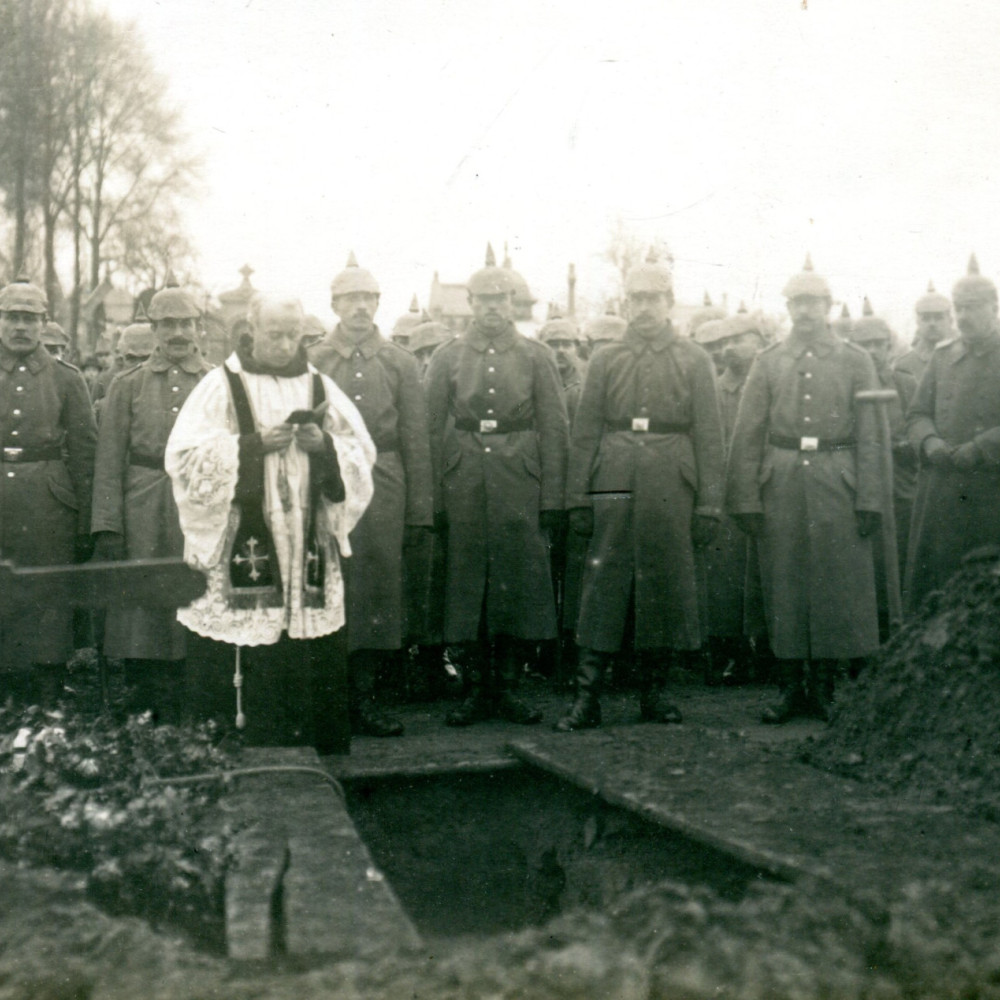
pixel 369 345
pixel 664 337
pixel 192 363
pixel 729 381
pixel 987 346
pixel 500 342
pixel 38 359
pixel 823 344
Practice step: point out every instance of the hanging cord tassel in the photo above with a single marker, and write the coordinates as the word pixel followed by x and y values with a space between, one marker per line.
pixel 241 719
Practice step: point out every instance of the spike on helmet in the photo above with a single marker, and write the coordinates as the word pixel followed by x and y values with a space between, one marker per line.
pixel 353 279
pixel 490 279
pixel 932 301
pixel 973 287
pixel 866 308
pixel 21 295
pixel 649 276
pixel 743 307
pixel 172 302
pixel 807 282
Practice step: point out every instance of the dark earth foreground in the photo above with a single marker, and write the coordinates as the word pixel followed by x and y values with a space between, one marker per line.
pixel 718 858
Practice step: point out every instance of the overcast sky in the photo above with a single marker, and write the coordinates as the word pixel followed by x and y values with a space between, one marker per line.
pixel 742 132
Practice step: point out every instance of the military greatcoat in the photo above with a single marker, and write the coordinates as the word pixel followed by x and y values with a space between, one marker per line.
pixel 818 573
pixel 48 437
pixel 498 462
pixel 133 496
pixel 382 379
pixel 644 486
pixel 958 399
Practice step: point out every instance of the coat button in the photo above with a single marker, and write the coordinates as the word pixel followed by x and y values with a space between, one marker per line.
pixel 805 461
pixel 16 413
pixel 357 374
pixel 491 369
pixel 19 388
pixel 808 420
pixel 492 391
pixel 21 368
pixel 175 388
pixel 174 409
pixel 489 413
pixel 491 351
pixel 809 374
pixel 487 448
pixel 10 475
pixel 13 434
pixel 357 398
pixel 807 397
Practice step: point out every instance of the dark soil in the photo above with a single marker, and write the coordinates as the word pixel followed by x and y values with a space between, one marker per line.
pixel 924 718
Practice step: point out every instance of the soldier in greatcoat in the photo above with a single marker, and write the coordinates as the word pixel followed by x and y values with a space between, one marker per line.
pixel 499 439
pixel 134 514
pixel 954 424
pixel 934 325
pixel 803 478
pixel 725 565
pixel 645 482
pixel 46 472
pixel 873 334
pixel 382 379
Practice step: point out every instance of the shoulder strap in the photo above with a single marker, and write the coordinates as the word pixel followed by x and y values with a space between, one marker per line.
pixel 241 402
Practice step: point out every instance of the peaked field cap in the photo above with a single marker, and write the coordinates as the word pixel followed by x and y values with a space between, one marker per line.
pixel 606 327
pixel 868 328
pixel 932 301
pixel 559 329
pixel 710 332
pixel 973 286
pixel 807 282
pixel 23 296
pixel 429 334
pixel 744 322
pixel 54 334
pixel 137 339
pixel 354 279
pixel 490 279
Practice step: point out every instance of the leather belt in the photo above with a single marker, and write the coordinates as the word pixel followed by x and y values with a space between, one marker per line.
pixel 643 425
pixel 494 426
pixel 146 462
pixel 49 453
pixel 810 443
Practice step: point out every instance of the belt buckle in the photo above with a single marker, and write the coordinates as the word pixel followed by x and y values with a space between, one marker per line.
pixel 12 454
pixel 487 426
pixel 809 444
pixel 640 424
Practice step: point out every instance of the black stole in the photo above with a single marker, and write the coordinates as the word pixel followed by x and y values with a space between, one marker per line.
pixel 254 571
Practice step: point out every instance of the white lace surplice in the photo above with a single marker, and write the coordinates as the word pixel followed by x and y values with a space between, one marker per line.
pixel 202 460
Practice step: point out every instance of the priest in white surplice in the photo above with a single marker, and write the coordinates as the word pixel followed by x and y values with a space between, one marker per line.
pixel 271 469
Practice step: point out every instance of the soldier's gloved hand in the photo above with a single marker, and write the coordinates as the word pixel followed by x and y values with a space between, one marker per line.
pixel 966 456
pixel 750 524
pixel 867 521
pixel 581 521
pixel 414 534
pixel 937 452
pixel 107 546
pixel 440 522
pixel 551 521
pixel 703 530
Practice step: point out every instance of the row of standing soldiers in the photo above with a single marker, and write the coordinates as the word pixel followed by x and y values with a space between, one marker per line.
pixel 708 494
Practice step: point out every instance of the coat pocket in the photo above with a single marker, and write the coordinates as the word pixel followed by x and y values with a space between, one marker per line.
pixel 532 467
pixel 690 475
pixel 766 471
pixel 63 491
pixel 451 463
pixel 850 479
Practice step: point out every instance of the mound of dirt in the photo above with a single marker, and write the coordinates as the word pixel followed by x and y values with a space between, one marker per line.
pixel 924 717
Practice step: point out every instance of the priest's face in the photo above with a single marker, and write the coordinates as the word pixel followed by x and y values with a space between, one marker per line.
pixel 277 334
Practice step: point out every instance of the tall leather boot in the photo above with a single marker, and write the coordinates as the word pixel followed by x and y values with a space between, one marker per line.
pixel 793 703
pixel 819 695
pixel 478 702
pixel 366 717
pixel 511 655
pixel 586 710
pixel 654 668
